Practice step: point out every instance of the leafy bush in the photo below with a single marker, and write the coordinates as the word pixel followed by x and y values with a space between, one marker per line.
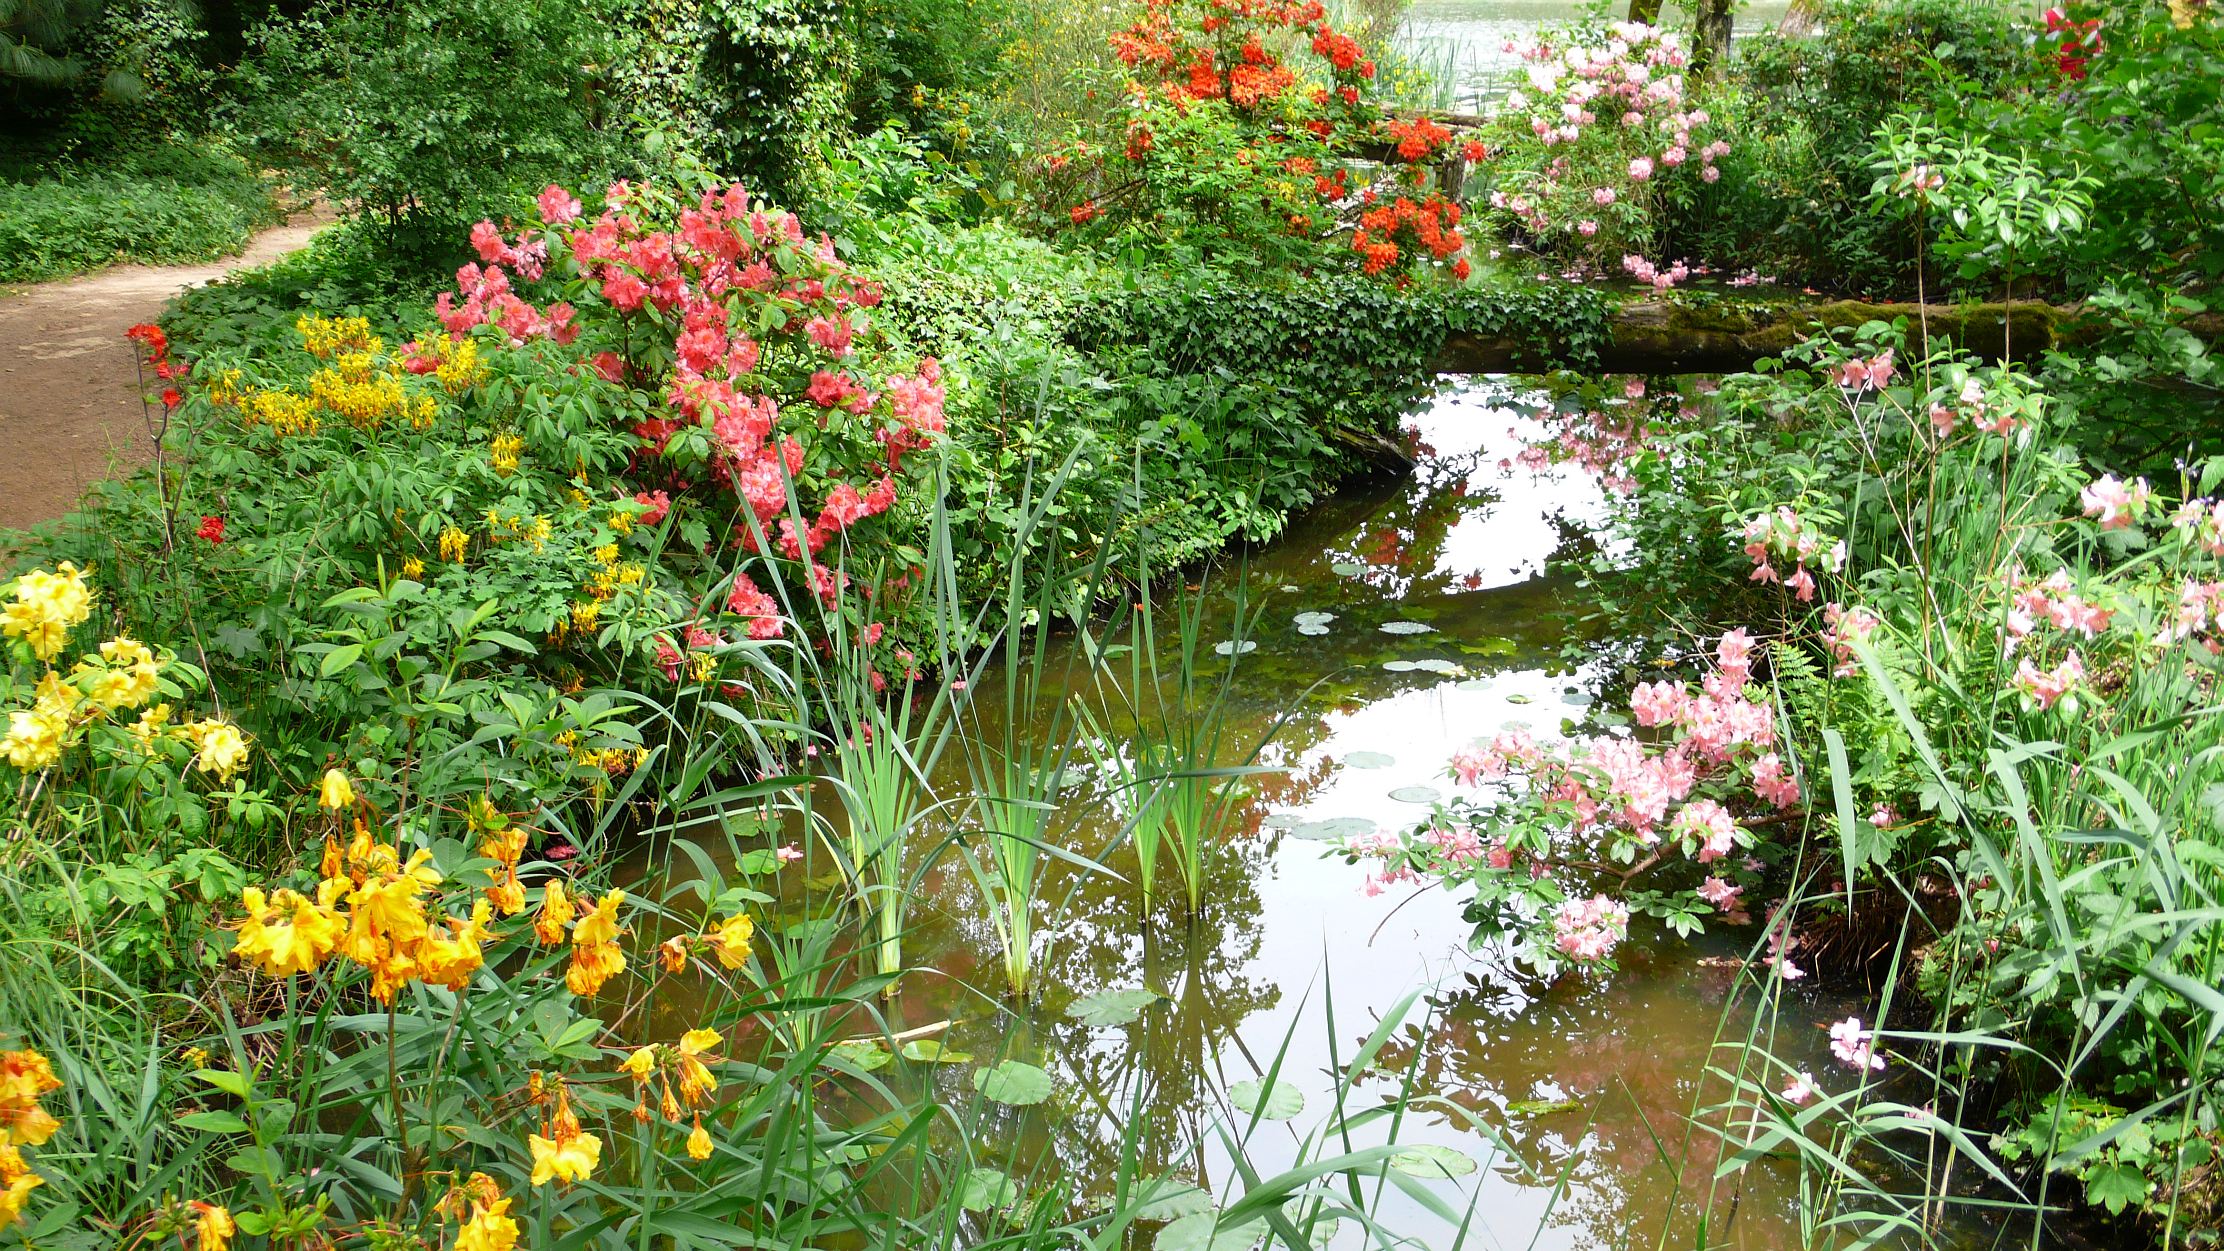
pixel 162 205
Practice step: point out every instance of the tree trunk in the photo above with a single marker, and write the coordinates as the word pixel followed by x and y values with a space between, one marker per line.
pixel 1646 11
pixel 1712 47
pixel 1801 19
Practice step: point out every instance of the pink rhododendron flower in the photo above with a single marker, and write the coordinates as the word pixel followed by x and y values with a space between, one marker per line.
pixel 1801 1088
pixel 2117 504
pixel 1641 169
pixel 558 206
pixel 1854 1046
pixel 1586 930
pixel 1719 893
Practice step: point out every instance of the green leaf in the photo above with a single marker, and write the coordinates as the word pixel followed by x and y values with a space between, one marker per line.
pixel 230 1082
pixel 1278 1103
pixel 1430 1160
pixel 1370 760
pixel 2115 1187
pixel 931 1051
pixel 1169 1198
pixel 1014 1083
pixel 1196 1232
pixel 213 1122
pixel 340 658
pixel 987 1190
pixel 1112 1007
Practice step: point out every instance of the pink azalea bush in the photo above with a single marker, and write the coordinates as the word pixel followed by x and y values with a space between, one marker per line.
pixel 1597 134
pixel 771 431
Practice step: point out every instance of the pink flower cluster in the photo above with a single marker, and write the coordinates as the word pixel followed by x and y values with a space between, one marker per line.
pixel 1876 372
pixel 1974 407
pixel 2115 502
pixel 2055 601
pixel 1784 537
pixel 2201 523
pixel 2044 688
pixel 1645 271
pixel 1842 628
pixel 1587 930
pixel 2200 611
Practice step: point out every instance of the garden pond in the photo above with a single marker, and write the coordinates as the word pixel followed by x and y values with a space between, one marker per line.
pixel 1451 608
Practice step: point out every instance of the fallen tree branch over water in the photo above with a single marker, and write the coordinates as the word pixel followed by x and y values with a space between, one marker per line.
pixel 1673 337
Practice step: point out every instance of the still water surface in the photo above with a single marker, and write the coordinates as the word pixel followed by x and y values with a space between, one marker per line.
pixel 1591 1081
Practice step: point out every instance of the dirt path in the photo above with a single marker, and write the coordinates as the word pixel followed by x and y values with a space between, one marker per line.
pixel 69 390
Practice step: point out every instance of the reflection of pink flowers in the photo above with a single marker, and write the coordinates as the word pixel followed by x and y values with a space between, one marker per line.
pixel 1854 1046
pixel 1801 1088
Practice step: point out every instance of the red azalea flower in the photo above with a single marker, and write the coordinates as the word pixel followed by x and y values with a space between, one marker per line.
pixel 171 398
pixel 212 529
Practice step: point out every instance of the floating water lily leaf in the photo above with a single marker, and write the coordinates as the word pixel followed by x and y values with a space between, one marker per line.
pixel 931 1051
pixel 1491 646
pixel 863 1053
pixel 1282 820
pixel 1072 777
pixel 987 1190
pixel 1430 1160
pixel 1013 1082
pixel 1519 699
pixel 1541 1107
pixel 1112 1007
pixel 1324 1227
pixel 1437 664
pixel 1312 631
pixel 1416 794
pixel 1334 827
pixel 1474 684
pixel 1314 618
pixel 1577 699
pixel 1399 666
pixel 1195 1232
pixel 1230 647
pixel 1347 569
pixel 1169 1198
pixel 1406 627
pixel 1291 588
pixel 757 862
pixel 1370 760
pixel 1278 1102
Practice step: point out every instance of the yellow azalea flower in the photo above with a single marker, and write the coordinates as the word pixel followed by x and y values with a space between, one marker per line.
pixel 565 1153
pixel 697 1041
pixel 33 740
pixel 287 935
pixel 601 925
pixel 641 1064
pixel 454 545
pixel 413 568
pixel 556 913
pixel 46 607
pixel 25 1076
pixel 150 726
pixel 451 961
pixel 672 954
pixel 732 939
pixel 489 1229
pixel 507 895
pixel 390 908
pixel 698 1142
pixel 14 1191
pixel 335 791
pixel 212 1227
pixel 219 747
pixel 593 965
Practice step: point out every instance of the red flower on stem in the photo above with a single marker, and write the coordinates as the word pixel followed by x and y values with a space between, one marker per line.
pixel 212 529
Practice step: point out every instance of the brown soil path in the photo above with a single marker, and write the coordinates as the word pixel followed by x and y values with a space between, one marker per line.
pixel 69 387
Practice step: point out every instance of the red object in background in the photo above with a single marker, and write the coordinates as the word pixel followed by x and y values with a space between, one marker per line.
pixel 212 529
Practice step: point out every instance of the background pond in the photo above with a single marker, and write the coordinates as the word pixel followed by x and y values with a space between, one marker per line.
pixel 1591 1082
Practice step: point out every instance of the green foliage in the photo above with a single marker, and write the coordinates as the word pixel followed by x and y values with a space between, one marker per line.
pixel 425 115
pixel 1792 200
pixel 775 82
pixel 160 205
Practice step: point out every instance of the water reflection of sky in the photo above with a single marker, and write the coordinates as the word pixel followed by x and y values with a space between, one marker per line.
pixel 1472 33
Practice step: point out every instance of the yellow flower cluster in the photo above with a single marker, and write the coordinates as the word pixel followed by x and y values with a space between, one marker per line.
pixel 536 529
pixel 505 452
pixel 564 1153
pixel 213 1226
pixel 484 1214
pixel 460 368
pixel 454 545
pixel 218 746
pixel 595 954
pixel 46 607
pixel 368 399
pixel 370 908
pixel 684 1080
pixel 284 412
pixel 25 1077
pixel 615 761
pixel 326 337
pixel 504 844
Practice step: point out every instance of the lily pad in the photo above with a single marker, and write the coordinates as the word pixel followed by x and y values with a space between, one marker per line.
pixel 1430 1160
pixel 1169 1198
pixel 1370 760
pixel 987 1190
pixel 1417 794
pixel 1013 1082
pixel 931 1051
pixel 1474 684
pixel 1232 648
pixel 1278 1102
pixel 1312 631
pixel 1519 699
pixel 1399 666
pixel 1282 820
pixel 1406 627
pixel 1577 699
pixel 1347 569
pixel 1314 618
pixel 863 1053
pixel 1437 664
pixel 1196 1232
pixel 1112 1007
pixel 1334 828
pixel 1324 1228
pixel 1490 646
pixel 1541 1107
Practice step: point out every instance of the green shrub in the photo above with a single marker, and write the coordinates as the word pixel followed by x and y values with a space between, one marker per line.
pixel 165 205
